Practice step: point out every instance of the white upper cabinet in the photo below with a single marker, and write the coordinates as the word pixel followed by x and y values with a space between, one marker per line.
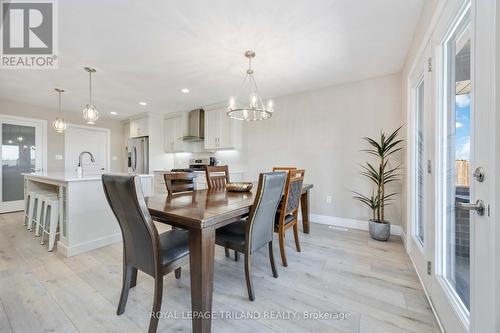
pixel 221 132
pixel 212 129
pixel 175 129
pixel 139 127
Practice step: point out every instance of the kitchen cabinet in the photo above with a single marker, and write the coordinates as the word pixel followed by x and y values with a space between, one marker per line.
pixel 221 132
pixel 139 127
pixel 175 129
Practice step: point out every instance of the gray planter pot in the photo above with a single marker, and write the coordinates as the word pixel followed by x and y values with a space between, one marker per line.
pixel 380 231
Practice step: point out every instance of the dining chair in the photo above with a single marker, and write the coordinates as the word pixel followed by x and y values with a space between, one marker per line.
pixel 217 176
pixel 179 182
pixel 286 216
pixel 284 168
pixel 143 248
pixel 257 231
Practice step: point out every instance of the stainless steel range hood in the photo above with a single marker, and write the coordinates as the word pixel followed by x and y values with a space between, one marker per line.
pixel 196 126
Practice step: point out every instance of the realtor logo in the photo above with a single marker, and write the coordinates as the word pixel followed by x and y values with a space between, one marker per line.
pixel 28 34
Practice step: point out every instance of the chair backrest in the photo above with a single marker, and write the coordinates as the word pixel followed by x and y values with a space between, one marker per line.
pixel 140 237
pixel 217 181
pixel 293 191
pixel 260 222
pixel 179 182
pixel 284 168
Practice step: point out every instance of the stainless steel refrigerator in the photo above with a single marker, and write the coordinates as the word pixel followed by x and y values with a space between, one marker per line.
pixel 138 155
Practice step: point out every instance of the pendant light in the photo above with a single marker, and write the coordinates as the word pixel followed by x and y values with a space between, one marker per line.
pixel 247 104
pixel 90 113
pixel 59 124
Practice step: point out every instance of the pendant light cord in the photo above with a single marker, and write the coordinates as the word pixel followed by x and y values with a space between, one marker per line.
pixel 60 103
pixel 90 87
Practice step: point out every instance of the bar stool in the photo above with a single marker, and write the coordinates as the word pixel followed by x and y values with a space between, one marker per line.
pixel 51 221
pixel 35 206
pixel 28 210
pixel 40 215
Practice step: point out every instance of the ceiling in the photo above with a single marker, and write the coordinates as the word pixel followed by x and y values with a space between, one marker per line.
pixel 148 51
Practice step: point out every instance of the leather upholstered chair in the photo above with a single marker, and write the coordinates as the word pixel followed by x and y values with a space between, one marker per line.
pixel 143 248
pixel 257 231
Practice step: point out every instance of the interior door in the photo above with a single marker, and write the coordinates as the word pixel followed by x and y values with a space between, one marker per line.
pixel 22 151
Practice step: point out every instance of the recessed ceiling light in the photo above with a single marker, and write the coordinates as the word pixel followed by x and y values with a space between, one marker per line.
pixel 185 90
pixel 114 113
pixel 143 103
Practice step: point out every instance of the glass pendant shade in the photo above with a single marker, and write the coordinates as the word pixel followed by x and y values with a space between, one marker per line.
pixel 90 114
pixel 59 124
pixel 247 105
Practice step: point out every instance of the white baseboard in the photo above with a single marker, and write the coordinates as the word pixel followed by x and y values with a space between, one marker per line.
pixel 69 251
pixel 441 327
pixel 351 223
pixel 403 238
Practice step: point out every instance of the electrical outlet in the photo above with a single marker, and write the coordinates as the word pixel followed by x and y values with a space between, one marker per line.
pixel 59 157
pixel 329 199
pixel 114 158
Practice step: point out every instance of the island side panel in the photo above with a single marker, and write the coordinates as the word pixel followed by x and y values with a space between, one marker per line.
pixel 91 223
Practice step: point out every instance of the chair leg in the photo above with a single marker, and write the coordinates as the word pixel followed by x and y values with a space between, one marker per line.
pixel 54 222
pixel 248 276
pixel 153 322
pixel 236 256
pixel 133 279
pixel 178 273
pixel 227 252
pixel 127 278
pixel 296 236
pixel 271 259
pixel 281 236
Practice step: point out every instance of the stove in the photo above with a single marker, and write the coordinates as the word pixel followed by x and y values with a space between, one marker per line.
pixel 199 164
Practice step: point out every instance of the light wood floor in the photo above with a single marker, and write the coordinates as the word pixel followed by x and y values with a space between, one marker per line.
pixel 338 271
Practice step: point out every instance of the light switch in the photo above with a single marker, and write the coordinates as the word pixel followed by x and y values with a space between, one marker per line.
pixel 59 157
pixel 114 158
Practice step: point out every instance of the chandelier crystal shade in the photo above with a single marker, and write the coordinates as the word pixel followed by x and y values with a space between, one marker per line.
pixel 59 124
pixel 90 113
pixel 247 105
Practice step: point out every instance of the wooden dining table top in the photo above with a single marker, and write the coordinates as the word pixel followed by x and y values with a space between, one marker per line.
pixel 203 208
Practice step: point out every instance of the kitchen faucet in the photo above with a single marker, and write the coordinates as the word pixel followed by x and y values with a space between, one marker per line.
pixel 92 159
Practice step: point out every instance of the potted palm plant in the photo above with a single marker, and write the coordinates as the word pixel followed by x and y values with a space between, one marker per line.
pixel 381 175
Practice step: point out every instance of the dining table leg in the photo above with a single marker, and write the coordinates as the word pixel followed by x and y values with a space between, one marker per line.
pixel 304 206
pixel 201 263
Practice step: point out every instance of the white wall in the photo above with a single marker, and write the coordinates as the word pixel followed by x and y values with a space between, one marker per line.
pixel 321 131
pixel 55 141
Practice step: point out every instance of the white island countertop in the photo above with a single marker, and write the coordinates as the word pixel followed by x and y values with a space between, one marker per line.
pixel 196 171
pixel 68 176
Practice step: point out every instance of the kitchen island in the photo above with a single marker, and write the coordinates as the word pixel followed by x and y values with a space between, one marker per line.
pixel 87 221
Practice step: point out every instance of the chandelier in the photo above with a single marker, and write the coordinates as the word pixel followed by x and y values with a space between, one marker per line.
pixel 247 104
pixel 59 124
pixel 90 113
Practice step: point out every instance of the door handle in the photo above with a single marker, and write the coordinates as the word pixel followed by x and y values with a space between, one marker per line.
pixel 135 159
pixel 36 169
pixel 478 206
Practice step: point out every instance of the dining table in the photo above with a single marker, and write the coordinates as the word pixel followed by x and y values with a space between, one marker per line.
pixel 201 212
